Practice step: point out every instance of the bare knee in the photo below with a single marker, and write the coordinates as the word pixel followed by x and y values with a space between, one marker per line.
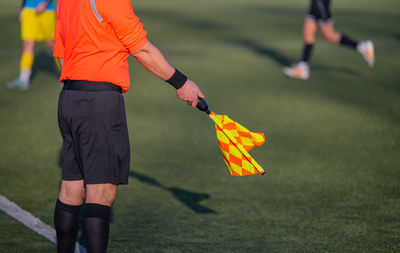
pixel 72 192
pixel 28 46
pixel 103 194
pixel 330 34
pixel 332 38
pixel 50 44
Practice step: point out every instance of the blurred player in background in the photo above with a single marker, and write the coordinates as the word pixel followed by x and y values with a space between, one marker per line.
pixel 319 16
pixel 37 18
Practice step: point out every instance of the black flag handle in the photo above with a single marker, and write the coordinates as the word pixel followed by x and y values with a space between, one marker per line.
pixel 202 105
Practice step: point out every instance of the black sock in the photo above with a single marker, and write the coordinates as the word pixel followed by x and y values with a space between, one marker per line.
pixel 346 41
pixel 307 52
pixel 66 222
pixel 96 224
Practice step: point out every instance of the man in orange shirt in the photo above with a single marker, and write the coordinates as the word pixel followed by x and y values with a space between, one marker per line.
pixel 93 40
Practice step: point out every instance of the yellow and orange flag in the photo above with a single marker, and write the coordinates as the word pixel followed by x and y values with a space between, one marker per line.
pixel 235 141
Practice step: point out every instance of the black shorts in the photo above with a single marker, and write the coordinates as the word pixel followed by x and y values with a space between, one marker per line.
pixel 320 11
pixel 92 122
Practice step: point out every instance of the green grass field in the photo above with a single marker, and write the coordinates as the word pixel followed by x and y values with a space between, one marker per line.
pixel 332 160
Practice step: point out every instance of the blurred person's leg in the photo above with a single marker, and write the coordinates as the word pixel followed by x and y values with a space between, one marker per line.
pixel 49 45
pixel 332 36
pixel 27 60
pixel 366 48
pixel 25 66
pixel 29 33
pixel 48 22
pixel 309 30
pixel 301 70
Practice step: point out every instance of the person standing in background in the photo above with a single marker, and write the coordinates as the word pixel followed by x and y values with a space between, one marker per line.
pixel 37 18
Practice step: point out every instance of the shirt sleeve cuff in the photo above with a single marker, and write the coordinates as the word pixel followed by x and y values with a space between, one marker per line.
pixel 138 45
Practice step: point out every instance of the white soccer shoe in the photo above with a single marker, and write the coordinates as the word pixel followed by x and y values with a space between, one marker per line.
pixel 366 48
pixel 17 84
pixel 300 70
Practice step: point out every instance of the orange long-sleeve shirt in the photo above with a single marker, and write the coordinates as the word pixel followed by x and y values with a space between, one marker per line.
pixel 95 38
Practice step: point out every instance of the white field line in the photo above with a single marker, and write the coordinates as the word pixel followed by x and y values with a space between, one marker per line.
pixel 32 222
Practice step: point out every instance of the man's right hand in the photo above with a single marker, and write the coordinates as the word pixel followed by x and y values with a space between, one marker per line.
pixel 40 8
pixel 189 93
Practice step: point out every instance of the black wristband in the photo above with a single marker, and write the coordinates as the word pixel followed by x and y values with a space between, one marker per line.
pixel 177 79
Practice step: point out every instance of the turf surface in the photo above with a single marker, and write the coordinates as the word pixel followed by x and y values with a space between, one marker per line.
pixel 332 163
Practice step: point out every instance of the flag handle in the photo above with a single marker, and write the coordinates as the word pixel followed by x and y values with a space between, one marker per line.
pixel 202 105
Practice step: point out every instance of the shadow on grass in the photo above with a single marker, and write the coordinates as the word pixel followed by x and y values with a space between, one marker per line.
pixel 190 199
pixel 283 61
pixel 44 62
pixel 177 19
pixel 263 50
pixel 331 68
